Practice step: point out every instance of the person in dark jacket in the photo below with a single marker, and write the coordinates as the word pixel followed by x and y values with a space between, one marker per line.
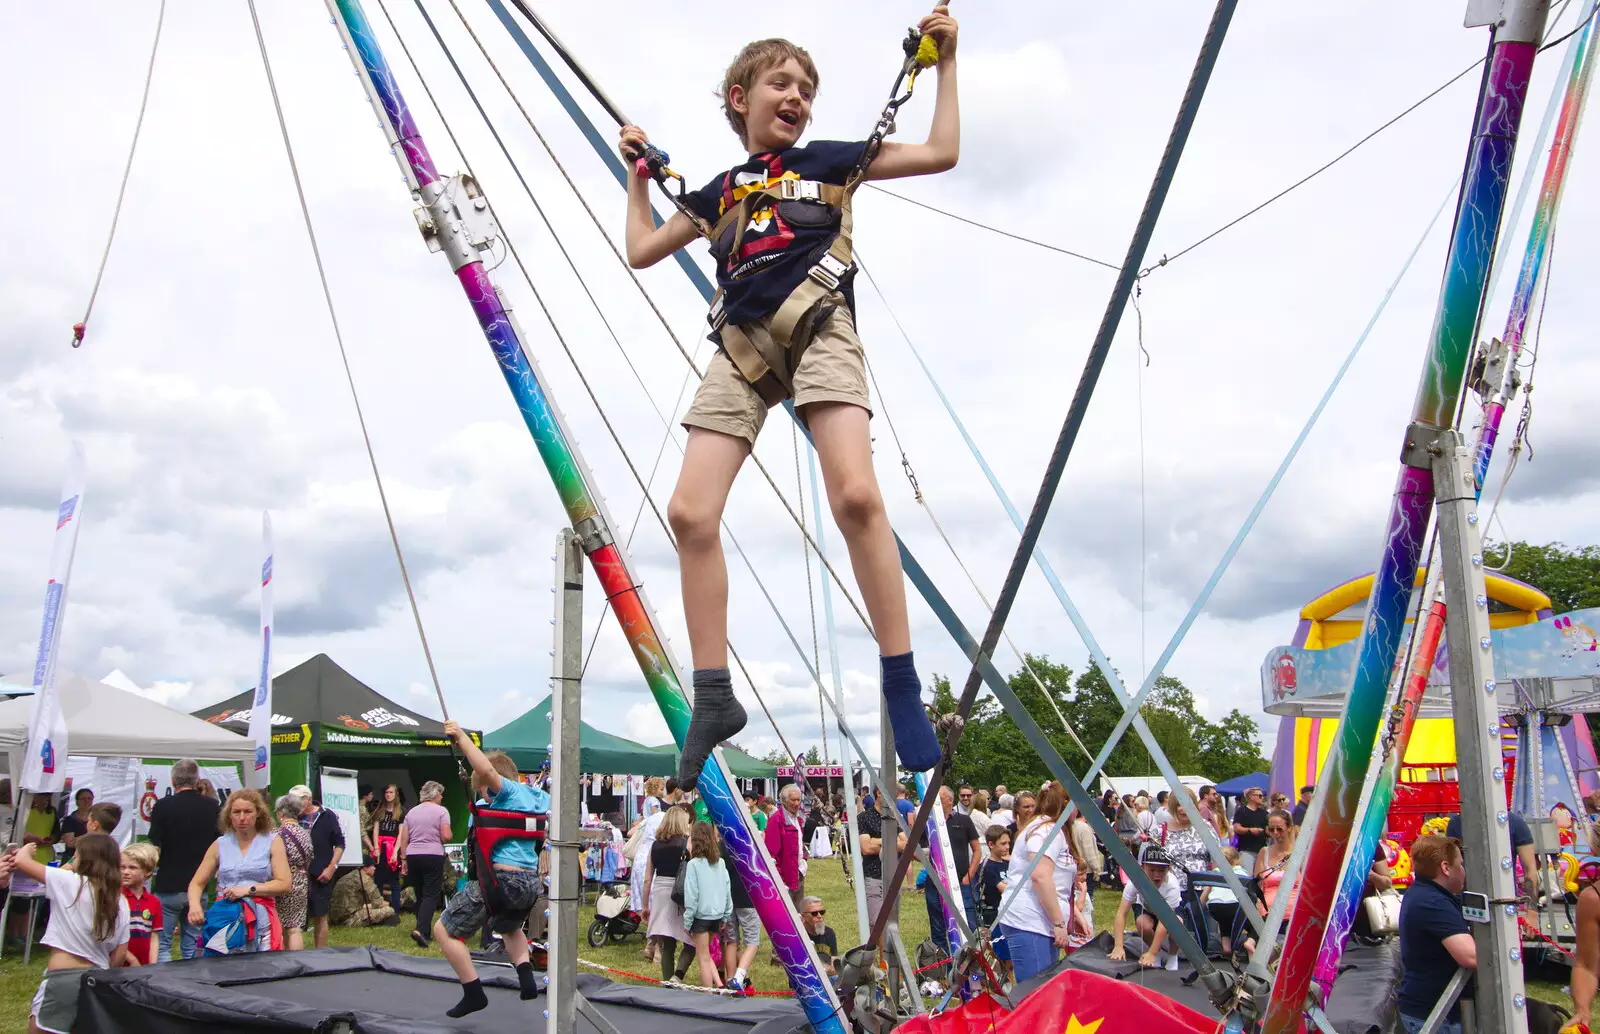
pixel 183 826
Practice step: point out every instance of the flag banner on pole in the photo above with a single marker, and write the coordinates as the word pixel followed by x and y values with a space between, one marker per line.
pixel 45 767
pixel 261 704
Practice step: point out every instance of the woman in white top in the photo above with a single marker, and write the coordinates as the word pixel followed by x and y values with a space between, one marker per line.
pixel 1040 920
pixel 638 889
pixel 88 925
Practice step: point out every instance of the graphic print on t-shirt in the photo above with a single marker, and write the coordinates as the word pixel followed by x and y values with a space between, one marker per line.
pixel 774 252
pixel 765 232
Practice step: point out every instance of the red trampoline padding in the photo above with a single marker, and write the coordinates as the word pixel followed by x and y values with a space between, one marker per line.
pixel 1074 1002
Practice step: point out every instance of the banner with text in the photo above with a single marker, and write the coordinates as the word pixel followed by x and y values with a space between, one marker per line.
pixel 45 766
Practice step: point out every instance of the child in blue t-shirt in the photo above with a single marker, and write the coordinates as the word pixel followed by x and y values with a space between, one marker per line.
pixel 515 878
pixel 762 257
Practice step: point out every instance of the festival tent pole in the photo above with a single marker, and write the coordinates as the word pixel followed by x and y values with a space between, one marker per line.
pixel 456 220
pixel 1515 40
pixel 1498 383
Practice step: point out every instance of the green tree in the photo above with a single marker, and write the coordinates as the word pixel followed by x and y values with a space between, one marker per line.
pixel 1570 577
pixel 1229 748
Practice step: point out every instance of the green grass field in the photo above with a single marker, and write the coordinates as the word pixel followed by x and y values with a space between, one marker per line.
pixel 825 878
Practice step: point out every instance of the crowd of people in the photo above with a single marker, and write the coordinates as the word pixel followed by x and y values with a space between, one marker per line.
pixel 235 875
pixel 242 875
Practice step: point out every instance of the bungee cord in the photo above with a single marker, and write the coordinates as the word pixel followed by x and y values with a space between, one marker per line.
pixel 344 358
pixel 738 548
pixel 1167 260
pixel 682 351
pixel 646 498
pixel 80 328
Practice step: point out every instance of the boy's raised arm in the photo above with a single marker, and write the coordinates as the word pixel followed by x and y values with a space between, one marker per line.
pixel 646 242
pixel 475 758
pixel 943 146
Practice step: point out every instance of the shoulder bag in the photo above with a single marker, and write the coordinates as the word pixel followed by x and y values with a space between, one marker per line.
pixel 677 882
pixel 1383 913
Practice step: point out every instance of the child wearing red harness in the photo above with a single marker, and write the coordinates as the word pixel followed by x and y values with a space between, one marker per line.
pixel 767 250
pixel 507 886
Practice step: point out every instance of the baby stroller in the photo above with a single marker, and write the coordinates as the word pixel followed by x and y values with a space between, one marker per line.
pixel 614 921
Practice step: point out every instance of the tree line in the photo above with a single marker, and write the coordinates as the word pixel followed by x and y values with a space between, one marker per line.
pixel 993 749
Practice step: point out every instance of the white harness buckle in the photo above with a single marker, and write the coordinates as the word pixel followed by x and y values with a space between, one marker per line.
pixel 799 190
pixel 829 271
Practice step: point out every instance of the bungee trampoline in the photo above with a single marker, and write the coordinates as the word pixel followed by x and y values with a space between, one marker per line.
pixel 376 991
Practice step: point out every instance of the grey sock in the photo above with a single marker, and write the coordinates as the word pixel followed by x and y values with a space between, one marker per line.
pixel 717 716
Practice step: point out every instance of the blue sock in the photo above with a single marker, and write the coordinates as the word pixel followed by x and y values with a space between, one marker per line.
pixel 914 739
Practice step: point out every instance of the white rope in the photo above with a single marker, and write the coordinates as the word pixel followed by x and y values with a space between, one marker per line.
pixel 81 328
pixel 344 357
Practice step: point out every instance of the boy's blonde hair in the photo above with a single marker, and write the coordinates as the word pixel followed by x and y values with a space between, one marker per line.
pixel 501 762
pixel 1231 854
pixel 754 59
pixel 144 855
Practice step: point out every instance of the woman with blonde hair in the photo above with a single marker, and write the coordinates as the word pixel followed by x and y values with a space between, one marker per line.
pixel 1041 920
pixel 250 865
pixel 664 916
pixel 654 787
pixel 1274 859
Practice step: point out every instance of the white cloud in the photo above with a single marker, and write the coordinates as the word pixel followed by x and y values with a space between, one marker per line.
pixel 210 387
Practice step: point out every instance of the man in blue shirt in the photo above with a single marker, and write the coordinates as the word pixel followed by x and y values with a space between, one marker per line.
pixel 1434 938
pixel 1521 849
pixel 514 861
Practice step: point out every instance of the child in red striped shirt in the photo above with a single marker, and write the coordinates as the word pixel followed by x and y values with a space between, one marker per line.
pixel 144 908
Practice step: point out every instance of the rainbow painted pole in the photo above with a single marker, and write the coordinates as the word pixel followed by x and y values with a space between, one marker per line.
pixel 1518 25
pixel 1499 384
pixel 456 219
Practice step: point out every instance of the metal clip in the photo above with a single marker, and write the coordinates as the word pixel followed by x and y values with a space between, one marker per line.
pixel 799 190
pixel 829 271
pixel 716 317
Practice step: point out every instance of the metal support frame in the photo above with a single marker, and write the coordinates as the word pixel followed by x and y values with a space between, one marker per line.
pixel 566 865
pixel 1501 994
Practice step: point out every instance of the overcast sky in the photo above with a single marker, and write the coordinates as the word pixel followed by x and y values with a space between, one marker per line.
pixel 210 386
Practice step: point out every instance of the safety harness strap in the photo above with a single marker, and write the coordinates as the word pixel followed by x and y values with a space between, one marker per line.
pixel 768 361
pixel 490 826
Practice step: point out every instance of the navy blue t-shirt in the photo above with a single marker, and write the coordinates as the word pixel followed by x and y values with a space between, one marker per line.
pixel 775 254
pixel 1428 914
pixel 1515 825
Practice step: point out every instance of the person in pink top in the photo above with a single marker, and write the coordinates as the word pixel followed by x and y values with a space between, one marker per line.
pixel 423 834
pixel 786 838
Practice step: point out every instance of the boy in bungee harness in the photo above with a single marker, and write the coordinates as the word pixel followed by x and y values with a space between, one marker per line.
pixel 766 250
pixel 513 879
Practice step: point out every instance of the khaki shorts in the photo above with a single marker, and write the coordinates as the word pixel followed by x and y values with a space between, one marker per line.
pixel 832 369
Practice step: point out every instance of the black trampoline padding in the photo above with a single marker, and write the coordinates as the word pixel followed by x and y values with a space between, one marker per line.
pixel 1362 1001
pixel 373 991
